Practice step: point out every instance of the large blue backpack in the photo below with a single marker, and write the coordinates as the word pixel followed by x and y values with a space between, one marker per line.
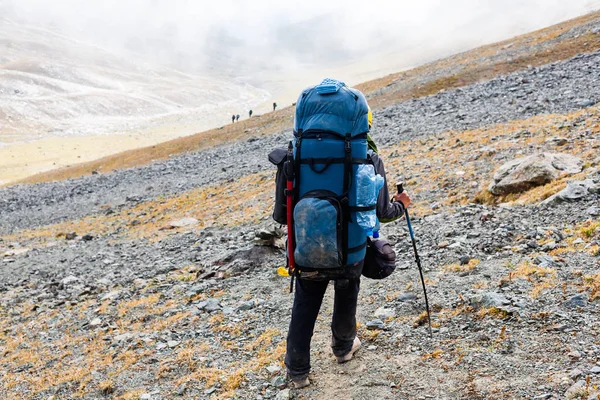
pixel 330 142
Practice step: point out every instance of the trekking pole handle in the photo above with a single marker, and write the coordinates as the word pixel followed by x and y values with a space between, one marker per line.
pixel 400 187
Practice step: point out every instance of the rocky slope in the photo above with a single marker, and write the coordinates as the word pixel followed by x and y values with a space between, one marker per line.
pixel 104 294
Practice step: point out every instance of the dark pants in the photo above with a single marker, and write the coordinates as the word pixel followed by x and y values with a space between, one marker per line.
pixel 307 302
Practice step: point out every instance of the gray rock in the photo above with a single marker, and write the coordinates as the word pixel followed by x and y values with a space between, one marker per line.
pixel 247 305
pixel 595 370
pixel 579 300
pixel 557 141
pixel 524 173
pixel 384 313
pixel 270 237
pixel 549 246
pixel 464 260
pixel 278 382
pixel 285 394
pixel 375 324
pixel 273 368
pixel 576 388
pixel 594 211
pixel 545 261
pixel 489 299
pixel 575 190
pixel 209 305
pixel 70 280
pixel 575 374
pixel 96 322
pixel 173 343
pixel 543 396
pixel 406 296
pixel 181 223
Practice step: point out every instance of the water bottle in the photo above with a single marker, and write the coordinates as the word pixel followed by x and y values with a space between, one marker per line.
pixel 376 230
pixel 368 185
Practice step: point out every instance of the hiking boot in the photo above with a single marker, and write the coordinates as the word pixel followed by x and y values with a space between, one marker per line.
pixel 300 383
pixel 354 349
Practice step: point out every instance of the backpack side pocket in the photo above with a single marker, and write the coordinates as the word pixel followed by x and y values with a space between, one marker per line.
pixel 318 231
pixel 278 157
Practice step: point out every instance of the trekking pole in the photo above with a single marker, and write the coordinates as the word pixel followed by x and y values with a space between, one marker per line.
pixel 400 188
pixel 289 173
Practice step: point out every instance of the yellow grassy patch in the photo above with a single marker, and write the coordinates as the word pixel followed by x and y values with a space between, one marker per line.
pixel 592 283
pixel 462 268
pixel 246 201
pixel 541 277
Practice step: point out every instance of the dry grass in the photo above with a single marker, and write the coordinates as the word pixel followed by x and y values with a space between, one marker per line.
pixel 542 278
pixel 462 268
pixel 592 283
pixel 85 363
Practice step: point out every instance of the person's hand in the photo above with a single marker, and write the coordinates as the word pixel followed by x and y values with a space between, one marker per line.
pixel 404 198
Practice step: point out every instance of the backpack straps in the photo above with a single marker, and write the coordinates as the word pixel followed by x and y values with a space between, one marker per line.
pixel 346 195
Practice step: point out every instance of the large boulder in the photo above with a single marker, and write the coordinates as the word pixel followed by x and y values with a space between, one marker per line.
pixel 575 190
pixel 525 173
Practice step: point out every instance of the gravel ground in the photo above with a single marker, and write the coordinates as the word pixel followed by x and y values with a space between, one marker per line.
pixel 201 312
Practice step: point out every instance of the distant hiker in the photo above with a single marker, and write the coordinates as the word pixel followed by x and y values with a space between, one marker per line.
pixel 274 106
pixel 250 113
pixel 233 118
pixel 237 117
pixel 330 226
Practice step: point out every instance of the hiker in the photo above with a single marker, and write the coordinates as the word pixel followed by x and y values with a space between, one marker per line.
pixel 319 204
pixel 274 106
pixel 233 118
pixel 250 113
pixel 237 117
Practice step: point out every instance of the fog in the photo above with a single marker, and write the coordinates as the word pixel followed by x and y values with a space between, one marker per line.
pixel 252 39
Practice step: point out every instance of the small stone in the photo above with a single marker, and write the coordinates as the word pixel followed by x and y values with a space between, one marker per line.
pixel 70 281
pixel 181 223
pixel 87 238
pixel 489 299
pixel 574 389
pixel 146 396
pixel 96 322
pixel 375 324
pixel 71 236
pixel 161 346
pixel 278 382
pixel 372 347
pixel 110 295
pixel 595 370
pixel 406 296
pixel 574 355
pixel 285 394
pixel 247 305
pixel 443 244
pixel 549 246
pixel 578 241
pixel 575 374
pixel 273 369
pixel 384 313
pixel 594 211
pixel 464 260
pixel 543 396
pixel 210 390
pixel 579 300
pixel 173 343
